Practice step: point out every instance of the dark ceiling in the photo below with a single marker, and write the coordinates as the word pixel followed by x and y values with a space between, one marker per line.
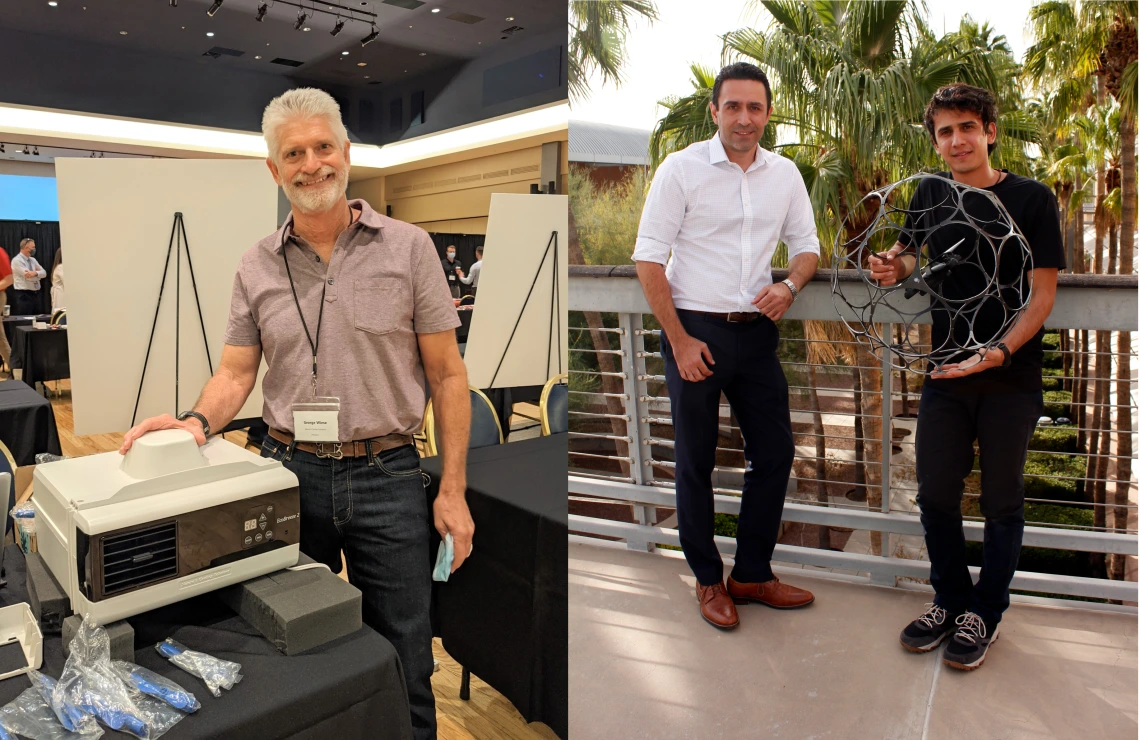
pixel 412 39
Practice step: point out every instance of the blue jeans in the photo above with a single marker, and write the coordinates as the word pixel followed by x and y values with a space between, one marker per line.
pixel 375 508
pixel 948 424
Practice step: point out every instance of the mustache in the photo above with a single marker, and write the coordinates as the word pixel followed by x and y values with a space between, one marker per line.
pixel 321 173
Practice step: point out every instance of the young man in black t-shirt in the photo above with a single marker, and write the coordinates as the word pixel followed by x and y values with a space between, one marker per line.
pixel 992 396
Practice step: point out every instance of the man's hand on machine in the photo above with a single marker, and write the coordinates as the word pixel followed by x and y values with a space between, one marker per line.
pixel 166 421
pixel 453 516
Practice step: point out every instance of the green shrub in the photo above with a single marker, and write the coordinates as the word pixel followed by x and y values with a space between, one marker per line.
pixel 1054 489
pixel 1057 403
pixel 725 525
pixel 1054 439
pixel 1051 379
pixel 1051 340
pixel 1040 559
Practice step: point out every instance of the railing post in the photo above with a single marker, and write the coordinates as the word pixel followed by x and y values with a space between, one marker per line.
pixel 887 407
pixel 637 429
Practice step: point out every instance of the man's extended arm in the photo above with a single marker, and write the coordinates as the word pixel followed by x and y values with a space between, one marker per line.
pixel 447 375
pixel 690 354
pixel 221 399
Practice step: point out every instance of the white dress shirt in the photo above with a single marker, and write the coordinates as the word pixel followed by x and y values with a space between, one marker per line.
pixel 57 289
pixel 472 277
pixel 722 225
pixel 20 264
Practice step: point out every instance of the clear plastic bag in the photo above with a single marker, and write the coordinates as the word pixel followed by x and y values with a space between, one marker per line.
pixel 90 684
pixel 47 457
pixel 217 673
pixel 150 683
pixel 70 717
pixel 31 716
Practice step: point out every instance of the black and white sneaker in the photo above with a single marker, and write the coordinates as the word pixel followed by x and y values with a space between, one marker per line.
pixel 967 648
pixel 928 631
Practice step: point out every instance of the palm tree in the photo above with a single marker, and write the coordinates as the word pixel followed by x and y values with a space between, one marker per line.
pixel 850 83
pixel 598 29
pixel 1075 43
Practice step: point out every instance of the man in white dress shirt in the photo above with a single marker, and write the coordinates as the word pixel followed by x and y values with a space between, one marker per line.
pixel 26 276
pixel 720 207
pixel 472 278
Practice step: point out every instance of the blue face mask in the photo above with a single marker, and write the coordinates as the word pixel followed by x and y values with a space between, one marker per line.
pixel 451 255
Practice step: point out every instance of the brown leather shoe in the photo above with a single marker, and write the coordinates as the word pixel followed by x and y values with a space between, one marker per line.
pixel 771 593
pixel 716 606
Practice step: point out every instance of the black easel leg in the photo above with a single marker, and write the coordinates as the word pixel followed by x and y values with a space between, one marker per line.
pixel 465 686
pixel 150 342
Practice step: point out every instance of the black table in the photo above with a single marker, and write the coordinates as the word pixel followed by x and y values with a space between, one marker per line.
pixel 502 615
pixel 350 688
pixel 43 354
pixel 10 324
pixel 27 423
pixel 464 327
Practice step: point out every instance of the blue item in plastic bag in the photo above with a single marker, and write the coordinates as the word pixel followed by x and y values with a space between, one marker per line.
pixel 443 558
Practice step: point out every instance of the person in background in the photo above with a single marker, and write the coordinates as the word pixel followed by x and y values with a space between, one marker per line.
pixel 453 269
pixel 5 283
pixel 57 282
pixel 26 276
pixel 472 279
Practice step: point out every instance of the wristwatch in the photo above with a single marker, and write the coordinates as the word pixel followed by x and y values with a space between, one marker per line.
pixel 205 424
pixel 1005 351
pixel 792 287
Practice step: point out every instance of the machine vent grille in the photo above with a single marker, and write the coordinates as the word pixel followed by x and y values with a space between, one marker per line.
pixel 139 557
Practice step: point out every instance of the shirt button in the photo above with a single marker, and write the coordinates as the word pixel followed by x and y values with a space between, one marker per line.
pixel 318 258
pixel 330 281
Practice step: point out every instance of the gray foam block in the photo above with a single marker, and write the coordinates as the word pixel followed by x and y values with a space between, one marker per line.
pixel 297 610
pixel 49 602
pixel 122 637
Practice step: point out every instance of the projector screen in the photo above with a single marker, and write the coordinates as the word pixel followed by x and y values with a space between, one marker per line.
pixel 27 198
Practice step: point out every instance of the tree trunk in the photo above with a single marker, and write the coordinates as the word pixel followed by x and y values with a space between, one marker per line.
pixel 824 531
pixel 1111 250
pixel 606 364
pixel 1124 338
pixel 1080 393
pixel 1098 447
pixel 860 469
pixel 1066 361
pixel 902 375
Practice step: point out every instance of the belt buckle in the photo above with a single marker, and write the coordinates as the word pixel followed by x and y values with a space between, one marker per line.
pixel 336 453
pixel 728 317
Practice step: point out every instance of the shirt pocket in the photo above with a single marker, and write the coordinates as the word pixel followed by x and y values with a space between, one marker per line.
pixel 382 305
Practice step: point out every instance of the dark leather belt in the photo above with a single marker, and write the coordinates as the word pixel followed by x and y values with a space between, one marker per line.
pixel 739 317
pixel 338 450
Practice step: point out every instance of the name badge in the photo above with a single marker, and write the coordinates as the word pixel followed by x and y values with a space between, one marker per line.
pixel 317 420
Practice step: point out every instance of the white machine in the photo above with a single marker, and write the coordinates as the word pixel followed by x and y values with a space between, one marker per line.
pixel 168 521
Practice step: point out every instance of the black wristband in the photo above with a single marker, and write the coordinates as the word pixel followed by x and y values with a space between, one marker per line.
pixel 205 424
pixel 1005 351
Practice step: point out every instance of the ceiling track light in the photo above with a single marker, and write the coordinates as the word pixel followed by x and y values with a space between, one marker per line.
pixel 35 151
pixel 173 4
pixel 370 37
pixel 338 27
pixel 262 9
pixel 26 150
pixel 302 16
pixel 1 148
pixel 214 8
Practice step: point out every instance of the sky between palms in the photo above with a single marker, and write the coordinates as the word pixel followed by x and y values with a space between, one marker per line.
pixel 659 56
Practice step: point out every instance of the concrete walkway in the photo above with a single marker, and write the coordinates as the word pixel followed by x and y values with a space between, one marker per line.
pixel 643 664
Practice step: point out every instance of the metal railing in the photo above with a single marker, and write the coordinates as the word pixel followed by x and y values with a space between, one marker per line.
pixel 621 448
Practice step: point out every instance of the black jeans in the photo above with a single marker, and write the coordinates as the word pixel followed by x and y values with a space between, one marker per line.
pixel 25 302
pixel 748 372
pixel 948 424
pixel 376 509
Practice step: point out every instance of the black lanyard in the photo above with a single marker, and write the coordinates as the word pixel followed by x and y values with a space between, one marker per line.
pixel 313 344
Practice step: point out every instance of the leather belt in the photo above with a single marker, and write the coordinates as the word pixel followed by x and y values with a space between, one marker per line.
pixel 738 317
pixel 338 450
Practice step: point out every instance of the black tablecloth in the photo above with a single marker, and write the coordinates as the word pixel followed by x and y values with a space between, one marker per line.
pixel 350 688
pixel 502 615
pixel 464 327
pixel 27 422
pixel 43 354
pixel 10 324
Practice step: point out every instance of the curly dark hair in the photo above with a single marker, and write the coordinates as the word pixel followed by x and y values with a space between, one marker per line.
pixel 959 97
pixel 741 71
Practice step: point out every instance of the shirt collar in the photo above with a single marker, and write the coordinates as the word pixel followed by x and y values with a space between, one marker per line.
pixel 717 153
pixel 368 217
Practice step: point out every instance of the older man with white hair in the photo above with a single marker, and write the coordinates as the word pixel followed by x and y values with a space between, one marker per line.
pixel 354 317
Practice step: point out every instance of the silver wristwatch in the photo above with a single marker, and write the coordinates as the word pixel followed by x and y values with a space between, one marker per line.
pixel 205 424
pixel 792 287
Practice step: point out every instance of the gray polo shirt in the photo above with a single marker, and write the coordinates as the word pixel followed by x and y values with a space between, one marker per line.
pixel 383 286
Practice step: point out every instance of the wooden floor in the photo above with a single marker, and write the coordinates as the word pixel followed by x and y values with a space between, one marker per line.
pixel 486 715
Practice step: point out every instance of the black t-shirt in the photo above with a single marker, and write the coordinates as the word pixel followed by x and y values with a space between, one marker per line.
pixel 449 269
pixel 1033 208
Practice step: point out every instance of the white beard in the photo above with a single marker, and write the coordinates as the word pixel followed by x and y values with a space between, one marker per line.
pixel 320 198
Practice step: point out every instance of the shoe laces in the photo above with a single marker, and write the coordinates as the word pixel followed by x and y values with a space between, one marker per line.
pixel 933 616
pixel 708 592
pixel 971 628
